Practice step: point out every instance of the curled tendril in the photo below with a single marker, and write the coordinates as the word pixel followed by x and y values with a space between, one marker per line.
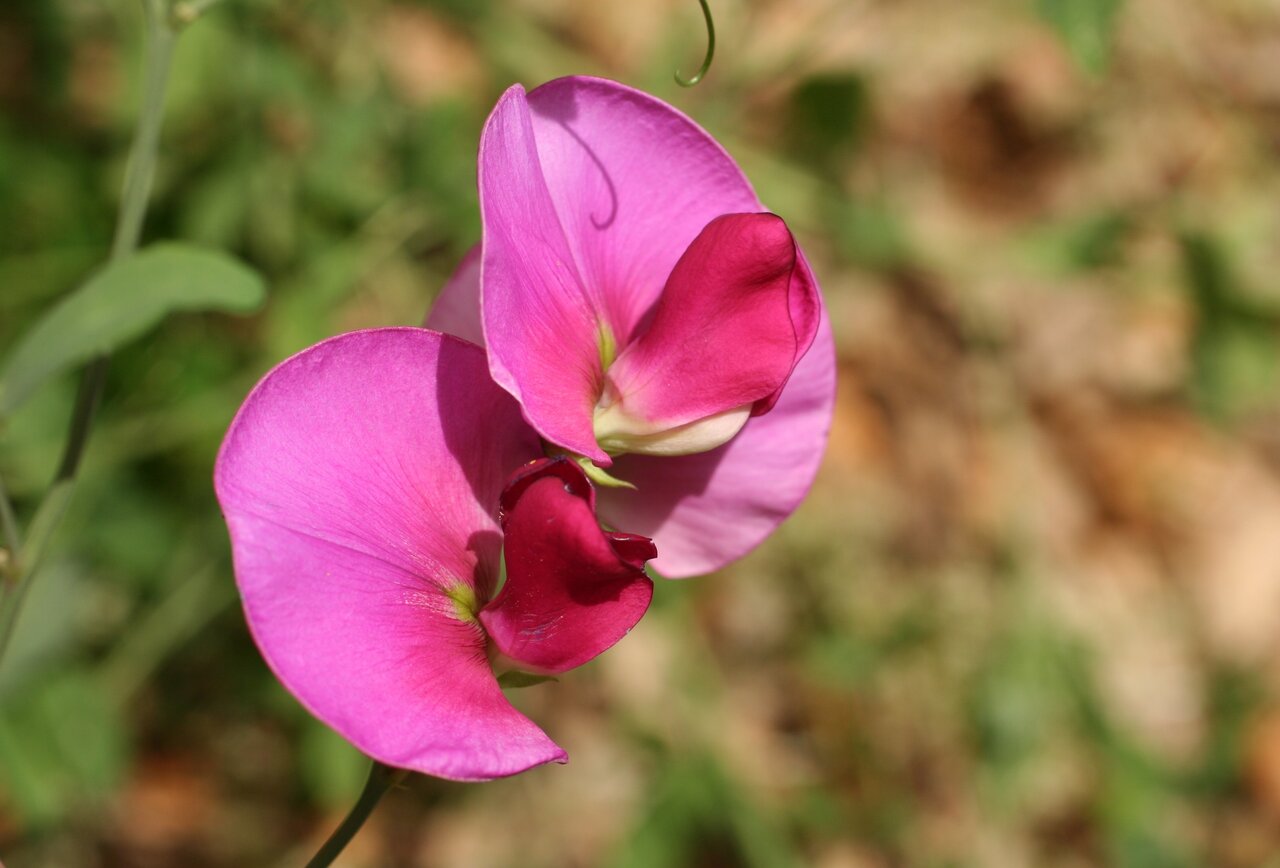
pixel 711 50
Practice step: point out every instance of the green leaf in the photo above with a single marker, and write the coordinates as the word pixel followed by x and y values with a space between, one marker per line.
pixel 119 304
pixel 47 626
pixel 43 524
pixel 62 742
pixel 1085 26
pixel 1235 366
pixel 830 119
pixel 1079 244
pixel 515 678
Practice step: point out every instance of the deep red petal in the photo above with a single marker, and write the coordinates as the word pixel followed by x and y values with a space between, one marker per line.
pixel 739 310
pixel 572 590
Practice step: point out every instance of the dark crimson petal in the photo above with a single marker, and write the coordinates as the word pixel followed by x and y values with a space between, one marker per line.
pixel 739 310
pixel 572 590
pixel 568 472
pixel 633 548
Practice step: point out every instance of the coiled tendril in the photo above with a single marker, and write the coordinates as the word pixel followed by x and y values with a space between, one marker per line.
pixel 711 50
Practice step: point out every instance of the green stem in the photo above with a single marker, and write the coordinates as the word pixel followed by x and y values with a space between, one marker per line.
pixel 87 398
pixel 711 50
pixel 47 517
pixel 140 170
pixel 139 173
pixel 12 538
pixel 15 593
pixel 381 779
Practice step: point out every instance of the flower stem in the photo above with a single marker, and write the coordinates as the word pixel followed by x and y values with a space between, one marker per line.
pixel 13 592
pixel 711 50
pixel 138 175
pixel 9 535
pixel 139 172
pixel 381 779
pixel 88 396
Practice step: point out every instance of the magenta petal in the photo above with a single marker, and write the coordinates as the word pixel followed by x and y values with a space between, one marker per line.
pixel 359 482
pixel 541 323
pixel 572 590
pixel 633 181
pixel 723 335
pixel 804 303
pixel 706 510
pixel 457 308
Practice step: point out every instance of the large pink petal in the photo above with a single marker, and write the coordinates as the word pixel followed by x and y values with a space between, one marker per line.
pixel 706 510
pixel 457 308
pixel 360 482
pixel 633 181
pixel 722 335
pixel 540 319
pixel 572 590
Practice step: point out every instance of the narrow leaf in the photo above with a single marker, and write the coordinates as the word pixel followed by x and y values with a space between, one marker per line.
pixel 515 678
pixel 119 304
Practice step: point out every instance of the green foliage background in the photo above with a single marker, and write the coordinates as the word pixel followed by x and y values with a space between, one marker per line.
pixel 1029 615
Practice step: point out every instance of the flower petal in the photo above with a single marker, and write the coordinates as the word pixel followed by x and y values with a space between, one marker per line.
pixel 572 590
pixel 589 193
pixel 723 335
pixel 804 303
pixel 359 482
pixel 706 510
pixel 541 322
pixel 633 181
pixel 457 307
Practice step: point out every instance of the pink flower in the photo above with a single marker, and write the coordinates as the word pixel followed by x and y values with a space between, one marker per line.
pixel 648 314
pixel 363 486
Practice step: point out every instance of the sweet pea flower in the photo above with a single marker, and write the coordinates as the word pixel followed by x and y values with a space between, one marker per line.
pixel 649 315
pixel 368 489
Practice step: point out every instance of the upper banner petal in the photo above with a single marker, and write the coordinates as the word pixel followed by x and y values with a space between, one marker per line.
pixel 541 322
pixel 705 510
pixel 633 181
pixel 360 482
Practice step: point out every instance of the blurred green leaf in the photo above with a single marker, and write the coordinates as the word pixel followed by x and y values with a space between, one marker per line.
pixel 700 816
pixel 869 232
pixel 1235 364
pixel 86 727
pixel 1086 243
pixel 61 742
pixel 121 303
pixel 25 779
pixel 515 678
pixel 1235 698
pixel 1085 26
pixel 46 629
pixel 1018 695
pixel 830 117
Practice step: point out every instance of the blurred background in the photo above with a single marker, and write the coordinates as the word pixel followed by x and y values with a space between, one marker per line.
pixel 1029 615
